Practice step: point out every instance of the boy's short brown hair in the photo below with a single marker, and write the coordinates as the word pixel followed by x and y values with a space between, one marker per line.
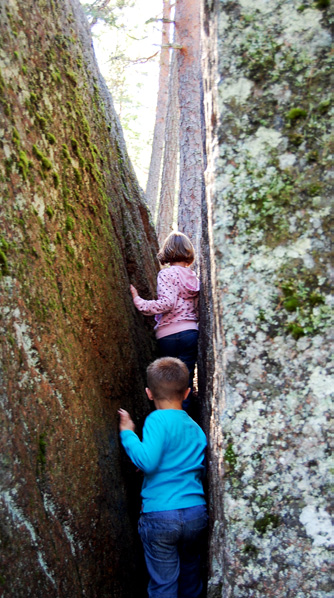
pixel 167 378
pixel 176 248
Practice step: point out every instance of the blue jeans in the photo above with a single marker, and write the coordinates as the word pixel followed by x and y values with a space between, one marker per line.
pixel 173 542
pixel 184 346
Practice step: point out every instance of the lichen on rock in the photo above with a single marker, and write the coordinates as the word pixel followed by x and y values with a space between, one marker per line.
pixel 269 187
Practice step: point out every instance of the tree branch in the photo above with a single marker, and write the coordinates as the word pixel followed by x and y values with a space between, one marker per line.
pixel 143 60
pixel 174 46
pixel 136 61
pixel 156 20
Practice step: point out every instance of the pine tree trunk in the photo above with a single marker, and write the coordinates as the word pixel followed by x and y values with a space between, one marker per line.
pixel 187 23
pixel 159 127
pixel 168 180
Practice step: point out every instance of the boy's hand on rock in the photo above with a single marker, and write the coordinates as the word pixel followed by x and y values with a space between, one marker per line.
pixel 126 422
pixel 133 291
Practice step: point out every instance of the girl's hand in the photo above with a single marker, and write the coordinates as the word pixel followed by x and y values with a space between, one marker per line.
pixel 133 291
pixel 126 422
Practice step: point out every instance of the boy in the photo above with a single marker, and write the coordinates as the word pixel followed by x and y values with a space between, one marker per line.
pixel 173 521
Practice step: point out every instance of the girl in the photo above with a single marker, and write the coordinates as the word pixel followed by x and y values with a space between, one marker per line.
pixel 176 309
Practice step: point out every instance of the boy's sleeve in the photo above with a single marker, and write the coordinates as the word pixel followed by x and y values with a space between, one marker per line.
pixel 145 454
pixel 166 290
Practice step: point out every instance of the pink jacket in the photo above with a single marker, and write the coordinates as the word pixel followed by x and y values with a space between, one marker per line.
pixel 177 303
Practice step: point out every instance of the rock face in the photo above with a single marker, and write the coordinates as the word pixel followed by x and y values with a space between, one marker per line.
pixel 267 354
pixel 74 233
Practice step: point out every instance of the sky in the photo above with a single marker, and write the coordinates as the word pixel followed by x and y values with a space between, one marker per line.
pixel 140 41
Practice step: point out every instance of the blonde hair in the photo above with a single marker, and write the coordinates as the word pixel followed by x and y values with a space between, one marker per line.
pixel 176 248
pixel 167 378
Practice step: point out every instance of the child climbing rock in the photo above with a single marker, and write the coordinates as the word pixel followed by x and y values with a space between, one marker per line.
pixel 173 520
pixel 176 309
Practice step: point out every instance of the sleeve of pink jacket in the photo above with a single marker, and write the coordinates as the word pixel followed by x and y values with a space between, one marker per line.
pixel 167 295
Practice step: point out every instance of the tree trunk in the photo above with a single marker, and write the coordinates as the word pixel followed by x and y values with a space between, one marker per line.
pixel 187 24
pixel 168 179
pixel 159 127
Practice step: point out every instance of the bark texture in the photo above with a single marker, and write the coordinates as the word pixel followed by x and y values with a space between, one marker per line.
pixel 152 188
pixel 265 354
pixel 74 233
pixel 187 29
pixel 170 160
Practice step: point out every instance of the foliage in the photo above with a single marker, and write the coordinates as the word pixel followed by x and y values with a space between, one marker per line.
pixel 107 11
pixel 124 45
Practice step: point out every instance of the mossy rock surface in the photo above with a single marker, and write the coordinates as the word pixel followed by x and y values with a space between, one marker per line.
pixel 75 232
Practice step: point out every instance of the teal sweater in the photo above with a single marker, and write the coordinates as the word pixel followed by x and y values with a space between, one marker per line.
pixel 171 455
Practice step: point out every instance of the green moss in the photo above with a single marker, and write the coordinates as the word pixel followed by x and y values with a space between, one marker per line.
pixel 4 245
pixel 267 203
pixel 16 138
pixel 58 238
pixel 324 106
pixel 46 163
pixel 96 151
pixel 71 75
pixel 77 176
pixel 230 456
pixel 2 84
pixel 315 189
pixel 69 224
pixel 8 163
pixel 42 121
pixel 296 113
pixel 7 108
pixel 51 138
pixel 93 171
pixel 291 303
pixel 49 211
pixel 322 3
pixel 56 76
pixel 23 164
pixel 269 520
pixel 16 55
pixel 66 152
pixel 312 156
pixel 303 297
pixel 24 69
pixel 56 179
pixel 41 456
pixel 3 264
pixel 33 98
pixel 74 144
pixel 66 193
pixel 316 299
pixel 76 149
pixel 85 126
pixel 11 340
pixel 70 250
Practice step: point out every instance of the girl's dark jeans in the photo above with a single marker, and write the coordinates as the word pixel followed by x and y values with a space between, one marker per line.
pixel 182 345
